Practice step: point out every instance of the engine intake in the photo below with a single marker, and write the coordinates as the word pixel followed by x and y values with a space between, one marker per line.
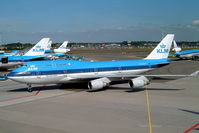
pixel 98 84
pixel 4 60
pixel 138 82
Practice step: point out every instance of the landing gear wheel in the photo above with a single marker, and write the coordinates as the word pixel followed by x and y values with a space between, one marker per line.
pixel 29 88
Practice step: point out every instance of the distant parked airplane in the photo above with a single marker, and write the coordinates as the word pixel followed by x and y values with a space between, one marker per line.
pixel 35 53
pixel 62 48
pixel 187 54
pixel 175 47
pixel 13 52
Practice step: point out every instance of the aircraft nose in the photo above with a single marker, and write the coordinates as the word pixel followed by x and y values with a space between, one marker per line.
pixel 15 77
pixel 10 74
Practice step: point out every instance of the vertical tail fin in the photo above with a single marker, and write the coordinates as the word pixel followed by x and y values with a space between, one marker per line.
pixel 49 45
pixel 39 48
pixel 175 47
pixel 64 45
pixel 162 49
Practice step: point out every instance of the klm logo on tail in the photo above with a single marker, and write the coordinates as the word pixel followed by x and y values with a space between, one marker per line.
pixel 38 49
pixel 162 49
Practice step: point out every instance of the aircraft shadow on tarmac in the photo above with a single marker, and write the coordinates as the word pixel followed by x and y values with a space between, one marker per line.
pixel 189 111
pixel 36 88
pixel 83 86
pixel 193 112
pixel 129 90
pixel 70 86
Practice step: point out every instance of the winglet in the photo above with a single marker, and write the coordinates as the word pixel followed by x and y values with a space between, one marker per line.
pixel 196 73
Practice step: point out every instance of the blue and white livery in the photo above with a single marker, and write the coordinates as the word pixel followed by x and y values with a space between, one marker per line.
pixel 98 74
pixel 187 54
pixel 63 48
pixel 35 53
pixel 13 52
pixel 175 47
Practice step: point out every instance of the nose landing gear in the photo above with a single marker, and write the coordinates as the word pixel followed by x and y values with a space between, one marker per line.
pixel 29 89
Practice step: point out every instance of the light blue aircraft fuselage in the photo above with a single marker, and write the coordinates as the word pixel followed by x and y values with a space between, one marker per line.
pixel 9 54
pixel 73 67
pixel 21 58
pixel 35 53
pixel 187 53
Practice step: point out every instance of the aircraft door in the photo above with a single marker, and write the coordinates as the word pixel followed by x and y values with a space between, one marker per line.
pixel 54 64
pixel 120 69
pixel 95 71
pixel 38 74
pixel 149 65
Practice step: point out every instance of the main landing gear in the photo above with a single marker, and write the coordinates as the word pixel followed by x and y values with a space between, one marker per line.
pixel 29 89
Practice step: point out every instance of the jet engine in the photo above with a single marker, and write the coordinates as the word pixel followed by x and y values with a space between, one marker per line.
pixel 138 82
pixel 4 60
pixel 98 84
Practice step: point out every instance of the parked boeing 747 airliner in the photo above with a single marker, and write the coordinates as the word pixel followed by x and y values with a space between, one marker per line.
pixel 35 53
pixel 98 74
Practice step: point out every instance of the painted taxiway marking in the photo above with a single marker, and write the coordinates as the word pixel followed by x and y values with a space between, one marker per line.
pixel 192 128
pixel 148 110
pixel 16 98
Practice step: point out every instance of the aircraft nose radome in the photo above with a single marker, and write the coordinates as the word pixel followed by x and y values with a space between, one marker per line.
pixel 10 74
pixel 17 79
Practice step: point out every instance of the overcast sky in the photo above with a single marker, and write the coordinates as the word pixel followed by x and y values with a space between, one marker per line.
pixel 98 20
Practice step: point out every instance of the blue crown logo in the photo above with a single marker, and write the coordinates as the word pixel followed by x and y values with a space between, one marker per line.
pixel 162 46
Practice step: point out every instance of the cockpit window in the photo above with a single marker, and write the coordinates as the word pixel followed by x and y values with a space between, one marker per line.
pixel 23 73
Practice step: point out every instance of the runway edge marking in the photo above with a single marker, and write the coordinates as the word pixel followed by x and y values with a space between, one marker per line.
pixel 192 128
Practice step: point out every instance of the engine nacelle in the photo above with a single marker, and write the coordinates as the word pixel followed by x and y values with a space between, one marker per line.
pixel 138 82
pixel 98 84
pixel 4 60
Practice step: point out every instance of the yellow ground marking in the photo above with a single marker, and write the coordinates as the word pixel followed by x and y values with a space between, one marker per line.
pixel 148 110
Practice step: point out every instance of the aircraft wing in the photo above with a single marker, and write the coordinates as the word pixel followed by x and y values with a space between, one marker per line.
pixel 196 73
pixel 128 76
pixel 38 58
pixel 135 81
pixel 9 65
